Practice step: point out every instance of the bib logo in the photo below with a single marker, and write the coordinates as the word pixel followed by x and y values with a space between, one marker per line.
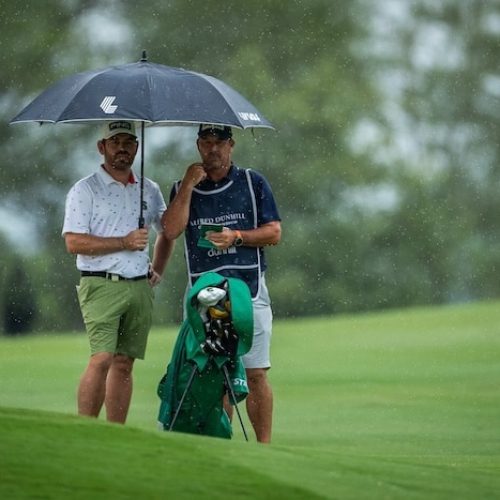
pixel 214 252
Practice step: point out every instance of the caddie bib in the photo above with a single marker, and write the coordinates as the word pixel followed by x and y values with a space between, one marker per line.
pixel 232 205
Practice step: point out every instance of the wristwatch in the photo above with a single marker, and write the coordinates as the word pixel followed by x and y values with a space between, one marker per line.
pixel 238 240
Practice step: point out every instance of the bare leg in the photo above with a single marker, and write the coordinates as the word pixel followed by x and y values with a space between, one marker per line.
pixel 119 388
pixel 92 388
pixel 228 407
pixel 259 403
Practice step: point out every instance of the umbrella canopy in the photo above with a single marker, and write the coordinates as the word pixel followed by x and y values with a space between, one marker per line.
pixel 150 93
pixel 144 92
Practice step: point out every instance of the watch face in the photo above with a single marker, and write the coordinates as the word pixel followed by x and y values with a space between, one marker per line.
pixel 238 242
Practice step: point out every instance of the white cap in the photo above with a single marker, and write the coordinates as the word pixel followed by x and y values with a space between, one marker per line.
pixel 119 127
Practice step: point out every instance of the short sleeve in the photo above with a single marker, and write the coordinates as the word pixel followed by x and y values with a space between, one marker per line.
pixel 78 209
pixel 266 204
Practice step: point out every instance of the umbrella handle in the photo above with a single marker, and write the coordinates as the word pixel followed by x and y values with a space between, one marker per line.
pixel 141 204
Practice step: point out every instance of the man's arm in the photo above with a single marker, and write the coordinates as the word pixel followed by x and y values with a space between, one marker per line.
pixel 88 244
pixel 175 218
pixel 267 234
pixel 161 254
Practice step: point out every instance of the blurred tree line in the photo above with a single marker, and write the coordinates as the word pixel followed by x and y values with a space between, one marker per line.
pixel 384 162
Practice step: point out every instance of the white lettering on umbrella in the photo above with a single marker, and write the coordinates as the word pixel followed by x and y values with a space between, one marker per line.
pixel 107 105
pixel 249 116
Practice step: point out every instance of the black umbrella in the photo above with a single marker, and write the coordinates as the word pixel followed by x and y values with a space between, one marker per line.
pixel 152 94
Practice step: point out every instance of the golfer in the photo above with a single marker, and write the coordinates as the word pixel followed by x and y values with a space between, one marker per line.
pixel 115 290
pixel 240 207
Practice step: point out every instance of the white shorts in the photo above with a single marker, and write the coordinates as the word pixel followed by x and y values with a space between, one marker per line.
pixel 259 356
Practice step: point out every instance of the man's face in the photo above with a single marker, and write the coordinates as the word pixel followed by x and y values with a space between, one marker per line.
pixel 119 151
pixel 215 153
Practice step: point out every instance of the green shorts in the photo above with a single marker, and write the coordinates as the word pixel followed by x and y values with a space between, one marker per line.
pixel 117 314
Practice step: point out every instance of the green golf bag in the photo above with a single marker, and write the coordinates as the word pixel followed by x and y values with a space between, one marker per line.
pixel 206 361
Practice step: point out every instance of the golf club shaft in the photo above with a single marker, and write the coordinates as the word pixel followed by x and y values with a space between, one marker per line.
pixel 233 399
pixel 188 386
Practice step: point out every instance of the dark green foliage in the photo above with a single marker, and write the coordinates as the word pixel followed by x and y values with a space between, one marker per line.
pixel 367 224
pixel 18 300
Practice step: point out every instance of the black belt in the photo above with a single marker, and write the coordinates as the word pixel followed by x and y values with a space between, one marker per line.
pixel 111 276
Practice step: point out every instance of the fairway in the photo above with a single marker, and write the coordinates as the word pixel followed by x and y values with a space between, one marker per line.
pixel 398 404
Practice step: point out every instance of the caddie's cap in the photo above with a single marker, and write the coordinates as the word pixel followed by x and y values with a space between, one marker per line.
pixel 221 131
pixel 111 129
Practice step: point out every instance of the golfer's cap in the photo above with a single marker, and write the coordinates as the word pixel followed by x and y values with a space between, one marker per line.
pixel 121 127
pixel 221 131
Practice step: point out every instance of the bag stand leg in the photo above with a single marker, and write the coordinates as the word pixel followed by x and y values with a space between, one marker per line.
pixel 188 386
pixel 233 399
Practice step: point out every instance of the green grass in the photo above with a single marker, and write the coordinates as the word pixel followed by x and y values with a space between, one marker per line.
pixel 400 404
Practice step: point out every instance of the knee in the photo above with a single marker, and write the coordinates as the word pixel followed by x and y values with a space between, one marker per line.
pixel 123 364
pixel 101 361
pixel 256 377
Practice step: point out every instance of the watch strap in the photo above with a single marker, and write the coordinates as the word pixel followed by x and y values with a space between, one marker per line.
pixel 238 239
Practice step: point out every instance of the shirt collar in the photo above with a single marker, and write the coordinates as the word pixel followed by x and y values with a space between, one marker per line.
pixel 132 179
pixel 208 184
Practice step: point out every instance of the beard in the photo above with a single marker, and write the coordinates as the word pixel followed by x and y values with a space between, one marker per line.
pixel 121 161
pixel 213 162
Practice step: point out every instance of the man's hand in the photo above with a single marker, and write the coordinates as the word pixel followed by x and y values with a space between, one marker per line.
pixel 136 240
pixel 194 174
pixel 154 278
pixel 223 239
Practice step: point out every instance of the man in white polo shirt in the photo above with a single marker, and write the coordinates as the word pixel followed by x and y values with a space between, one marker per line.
pixel 115 291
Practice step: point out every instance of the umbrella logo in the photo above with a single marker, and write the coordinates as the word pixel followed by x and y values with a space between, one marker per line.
pixel 107 105
pixel 249 116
